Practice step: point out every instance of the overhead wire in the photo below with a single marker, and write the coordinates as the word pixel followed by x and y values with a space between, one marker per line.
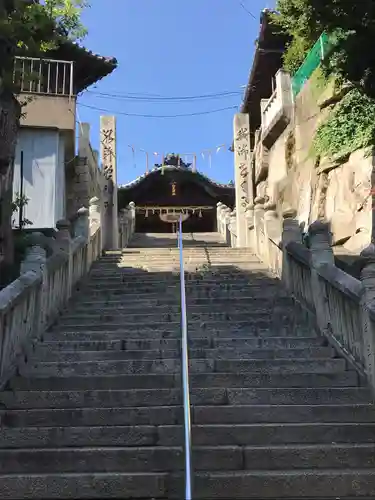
pixel 246 9
pixel 156 116
pixel 130 97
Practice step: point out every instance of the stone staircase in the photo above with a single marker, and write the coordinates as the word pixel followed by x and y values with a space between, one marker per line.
pixel 95 411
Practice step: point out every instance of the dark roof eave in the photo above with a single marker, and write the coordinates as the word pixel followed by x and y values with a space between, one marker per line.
pixel 136 182
pixel 94 66
pixel 253 70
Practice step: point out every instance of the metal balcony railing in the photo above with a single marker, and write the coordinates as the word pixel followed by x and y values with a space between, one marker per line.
pixel 44 76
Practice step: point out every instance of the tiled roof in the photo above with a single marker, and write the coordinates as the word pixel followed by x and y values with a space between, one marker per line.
pixel 105 59
pixel 139 179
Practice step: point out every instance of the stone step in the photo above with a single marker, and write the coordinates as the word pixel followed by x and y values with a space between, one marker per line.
pixel 131 486
pixel 202 435
pixel 192 267
pixel 83 334
pixel 173 397
pixel 158 281
pixel 236 485
pixel 46 347
pixel 164 459
pixel 168 259
pixel 91 368
pixel 203 250
pixel 257 303
pixel 261 485
pixel 160 328
pixel 166 296
pixel 171 415
pixel 120 459
pixel 170 270
pixel 223 380
pixel 281 315
pixel 167 280
pixel 287 414
pixel 268 434
pixel 242 352
pixel 200 259
pixel 152 287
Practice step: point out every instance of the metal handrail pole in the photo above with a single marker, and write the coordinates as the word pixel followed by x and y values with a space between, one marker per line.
pixel 185 373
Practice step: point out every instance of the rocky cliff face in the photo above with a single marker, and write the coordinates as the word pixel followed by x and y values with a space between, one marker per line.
pixel 338 191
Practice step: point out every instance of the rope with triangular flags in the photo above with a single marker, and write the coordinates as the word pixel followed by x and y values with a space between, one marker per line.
pixel 183 157
pixel 172 210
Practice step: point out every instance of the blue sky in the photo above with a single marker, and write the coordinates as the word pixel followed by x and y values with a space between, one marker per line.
pixel 171 48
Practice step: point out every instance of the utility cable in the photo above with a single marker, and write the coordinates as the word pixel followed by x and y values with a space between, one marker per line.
pixel 150 98
pixel 156 116
pixel 246 9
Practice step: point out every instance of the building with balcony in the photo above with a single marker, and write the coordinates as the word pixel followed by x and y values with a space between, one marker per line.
pixel 47 170
pixel 262 82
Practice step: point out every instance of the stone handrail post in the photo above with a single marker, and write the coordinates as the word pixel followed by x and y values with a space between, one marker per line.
pixel 232 226
pixel 95 219
pixel 320 244
pixel 94 214
pixel 272 231
pixel 227 224
pixel 226 217
pixel 132 214
pixel 250 225
pixel 259 224
pixel 82 230
pixel 36 256
pixel 367 304
pixel 82 224
pixel 291 228
pixel 64 244
pixel 35 261
pixel 321 255
pixel 219 218
pixel 125 227
pixel 291 232
pixel 126 224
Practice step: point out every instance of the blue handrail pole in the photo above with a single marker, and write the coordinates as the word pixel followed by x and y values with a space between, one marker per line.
pixel 185 373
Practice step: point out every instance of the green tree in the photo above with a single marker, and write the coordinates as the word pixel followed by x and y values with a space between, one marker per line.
pixel 37 26
pixel 352 27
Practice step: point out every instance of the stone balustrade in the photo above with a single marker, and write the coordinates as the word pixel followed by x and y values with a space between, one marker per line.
pixel 126 225
pixel 226 224
pixel 277 110
pixel 30 304
pixel 342 308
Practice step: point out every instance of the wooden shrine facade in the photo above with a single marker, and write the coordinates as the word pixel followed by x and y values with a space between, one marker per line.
pixel 165 192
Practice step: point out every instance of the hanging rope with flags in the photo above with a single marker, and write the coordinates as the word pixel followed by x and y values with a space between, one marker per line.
pixel 183 158
pixel 133 155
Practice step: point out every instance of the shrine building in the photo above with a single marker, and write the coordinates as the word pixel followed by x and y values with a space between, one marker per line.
pixel 170 190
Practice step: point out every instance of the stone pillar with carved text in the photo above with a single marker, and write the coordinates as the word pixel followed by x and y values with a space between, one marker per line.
pixel 109 162
pixel 242 159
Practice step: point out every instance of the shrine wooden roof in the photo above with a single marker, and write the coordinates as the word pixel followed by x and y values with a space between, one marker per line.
pixel 220 192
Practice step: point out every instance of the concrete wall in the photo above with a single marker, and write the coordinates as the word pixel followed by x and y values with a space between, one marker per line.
pixel 337 192
pixel 49 111
pixel 84 178
pixel 43 176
